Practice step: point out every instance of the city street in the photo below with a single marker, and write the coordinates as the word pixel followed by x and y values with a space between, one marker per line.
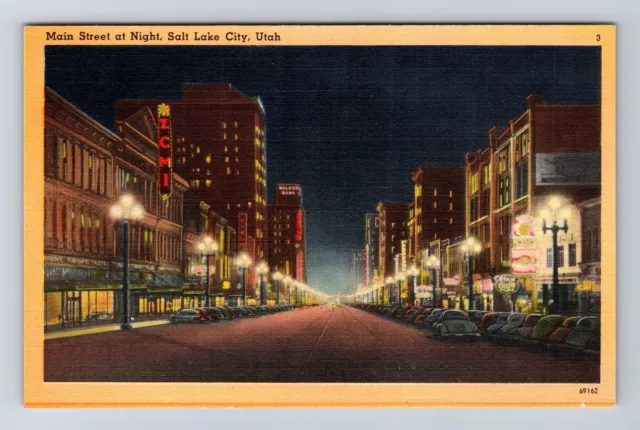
pixel 306 345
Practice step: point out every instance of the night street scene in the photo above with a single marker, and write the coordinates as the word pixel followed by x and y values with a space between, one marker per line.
pixel 322 214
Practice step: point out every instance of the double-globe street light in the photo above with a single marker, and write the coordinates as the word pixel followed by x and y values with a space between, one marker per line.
pixel 207 247
pixel 242 263
pixel 470 248
pixel 277 277
pixel 262 268
pixel 433 264
pixel 400 276
pixel 389 281
pixel 126 209
pixel 554 209
pixel 413 273
pixel 288 281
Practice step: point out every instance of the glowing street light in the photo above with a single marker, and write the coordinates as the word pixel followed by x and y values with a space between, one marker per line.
pixel 207 247
pixel 126 209
pixel 433 264
pixel 389 281
pixel 277 277
pixel 470 248
pixel 400 276
pixel 413 273
pixel 243 262
pixel 262 269
pixel 288 282
pixel 554 210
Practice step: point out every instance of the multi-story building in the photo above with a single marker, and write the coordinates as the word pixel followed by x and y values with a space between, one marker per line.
pixel 371 226
pixel 87 168
pixel 219 148
pixel 589 286
pixel 358 263
pixel 391 232
pixel 549 150
pixel 287 232
pixel 438 205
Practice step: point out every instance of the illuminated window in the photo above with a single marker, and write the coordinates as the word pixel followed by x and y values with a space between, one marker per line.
pixel 237 172
pixel 450 220
pixel 435 221
pixel 235 136
pixel 208 159
pixel 228 206
pixel 226 149
pixel 223 124
pixel 197 149
pixel 236 159
pixel 238 205
pixel 236 148
pixel 207 183
pixel 249 204
pixel 224 136
pixel 435 204
pixel 450 206
pixel 450 193
pixel 226 159
pixel 435 192
pixel 228 170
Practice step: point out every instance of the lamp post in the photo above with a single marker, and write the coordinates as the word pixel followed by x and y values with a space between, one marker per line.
pixel 389 281
pixel 242 262
pixel 554 205
pixel 413 273
pixel 470 248
pixel 207 247
pixel 277 277
pixel 262 268
pixel 287 283
pixel 126 209
pixel 400 276
pixel 433 264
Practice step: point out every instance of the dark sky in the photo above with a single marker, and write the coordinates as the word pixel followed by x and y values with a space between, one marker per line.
pixel 348 123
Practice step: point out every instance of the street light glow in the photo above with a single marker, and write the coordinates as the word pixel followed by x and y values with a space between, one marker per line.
pixel 555 202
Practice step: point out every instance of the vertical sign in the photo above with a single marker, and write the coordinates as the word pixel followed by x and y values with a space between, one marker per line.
pixel 165 144
pixel 367 255
pixel 523 249
pixel 298 225
pixel 242 231
pixel 300 266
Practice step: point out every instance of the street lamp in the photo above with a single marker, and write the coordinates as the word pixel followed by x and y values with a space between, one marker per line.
pixel 207 247
pixel 413 273
pixel 389 281
pixel 262 268
pixel 287 283
pixel 470 248
pixel 400 276
pixel 243 262
pixel 126 209
pixel 433 264
pixel 554 205
pixel 277 277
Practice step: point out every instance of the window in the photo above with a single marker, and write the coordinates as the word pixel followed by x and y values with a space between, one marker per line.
pixel 450 220
pixel 572 255
pixel 473 209
pixel 223 124
pixel 207 159
pixel 485 175
pixel 435 192
pixel 226 148
pixel 549 257
pixel 560 256
pixel 450 206
pixel 228 170
pixel 207 183
pixel 473 183
pixel 522 179
pixel 504 192
pixel 435 204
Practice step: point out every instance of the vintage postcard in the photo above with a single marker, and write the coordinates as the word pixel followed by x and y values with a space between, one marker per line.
pixel 398 216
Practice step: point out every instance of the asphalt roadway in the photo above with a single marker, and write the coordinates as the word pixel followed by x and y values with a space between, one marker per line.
pixel 317 344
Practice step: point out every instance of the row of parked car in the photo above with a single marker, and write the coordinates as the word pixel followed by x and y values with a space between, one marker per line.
pixel 221 313
pixel 555 331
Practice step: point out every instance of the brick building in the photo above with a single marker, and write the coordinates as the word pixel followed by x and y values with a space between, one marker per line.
pixel 287 233
pixel 87 168
pixel 393 217
pixel 548 150
pixel 219 148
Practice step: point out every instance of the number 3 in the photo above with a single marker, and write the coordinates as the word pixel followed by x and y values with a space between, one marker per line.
pixel 597 37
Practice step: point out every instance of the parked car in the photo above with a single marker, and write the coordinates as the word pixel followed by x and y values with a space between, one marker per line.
pixel 240 311
pixel 476 316
pixel 213 313
pixel 453 323
pixel 430 320
pixel 226 312
pixel 501 321
pixel 411 316
pixel 585 331
pixel 420 318
pixel 559 335
pixel 251 310
pixel 395 310
pixel 189 316
pixel 514 322
pixel 547 325
pixel 530 321
pixel 487 321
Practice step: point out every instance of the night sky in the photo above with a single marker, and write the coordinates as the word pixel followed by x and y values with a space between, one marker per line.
pixel 349 124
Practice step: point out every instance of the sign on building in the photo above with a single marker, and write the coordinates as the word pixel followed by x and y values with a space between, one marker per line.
pixel 523 249
pixel 165 151
pixel 580 168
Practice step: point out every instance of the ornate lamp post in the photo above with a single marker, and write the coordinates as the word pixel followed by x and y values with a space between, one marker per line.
pixel 413 273
pixel 287 282
pixel 389 281
pixel 262 268
pixel 207 247
pixel 433 264
pixel 277 277
pixel 243 262
pixel 126 209
pixel 554 205
pixel 400 276
pixel 470 248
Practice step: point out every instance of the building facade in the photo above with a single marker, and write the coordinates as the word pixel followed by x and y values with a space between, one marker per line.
pixel 87 168
pixel 219 148
pixel 371 226
pixel 287 253
pixel 358 263
pixel 391 232
pixel 548 151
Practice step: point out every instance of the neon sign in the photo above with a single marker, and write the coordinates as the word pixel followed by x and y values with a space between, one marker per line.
pixel 299 225
pixel 165 151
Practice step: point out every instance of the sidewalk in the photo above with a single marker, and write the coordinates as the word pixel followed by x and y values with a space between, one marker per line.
pixel 81 331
